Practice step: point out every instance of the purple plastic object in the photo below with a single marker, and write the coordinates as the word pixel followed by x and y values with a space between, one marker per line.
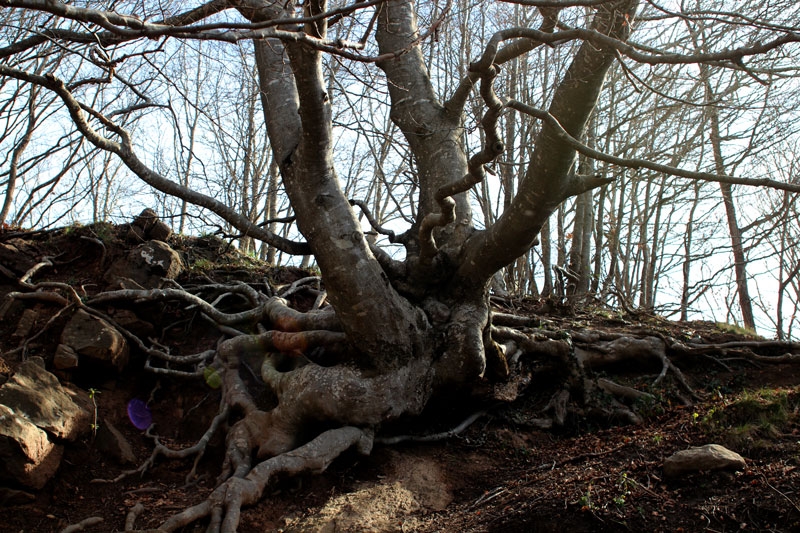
pixel 139 414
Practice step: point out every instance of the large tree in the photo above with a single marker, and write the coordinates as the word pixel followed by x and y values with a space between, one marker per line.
pixel 401 328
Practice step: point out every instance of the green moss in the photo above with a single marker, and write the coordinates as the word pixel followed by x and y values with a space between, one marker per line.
pixel 737 330
pixel 202 265
pixel 754 419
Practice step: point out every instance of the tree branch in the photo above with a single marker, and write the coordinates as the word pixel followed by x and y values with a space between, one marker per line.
pixel 636 163
pixel 124 150
pixel 549 178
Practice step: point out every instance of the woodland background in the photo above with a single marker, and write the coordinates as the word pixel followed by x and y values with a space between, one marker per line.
pixel 683 248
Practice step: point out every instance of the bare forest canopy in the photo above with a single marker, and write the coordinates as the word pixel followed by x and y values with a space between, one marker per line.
pixel 700 103
pixel 431 158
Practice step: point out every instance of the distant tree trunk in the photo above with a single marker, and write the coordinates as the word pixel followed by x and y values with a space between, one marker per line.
pixel 271 210
pixel 580 251
pixel 19 149
pixel 616 212
pixel 649 274
pixel 737 247
pixel 560 287
pixel 687 255
pixel 597 266
pixel 739 259
pixel 547 261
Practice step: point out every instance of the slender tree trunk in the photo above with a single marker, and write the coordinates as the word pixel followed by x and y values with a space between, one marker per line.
pixel 580 252
pixel 19 149
pixel 649 273
pixel 687 255
pixel 272 206
pixel 737 247
pixel 547 262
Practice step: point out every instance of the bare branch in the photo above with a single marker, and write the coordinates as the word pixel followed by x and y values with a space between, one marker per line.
pixel 637 163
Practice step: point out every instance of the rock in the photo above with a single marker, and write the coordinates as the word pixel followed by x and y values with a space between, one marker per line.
pixel 148 226
pixel 702 458
pixel 146 265
pixel 110 441
pixel 65 358
pixel 136 234
pixel 28 457
pixel 160 231
pixel 95 339
pixel 128 320
pixel 26 323
pixel 18 255
pixel 36 394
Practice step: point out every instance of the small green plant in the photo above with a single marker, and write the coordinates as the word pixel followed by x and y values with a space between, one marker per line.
pixel 69 230
pixel 585 500
pixel 651 405
pixel 624 486
pixel 658 439
pixel 93 396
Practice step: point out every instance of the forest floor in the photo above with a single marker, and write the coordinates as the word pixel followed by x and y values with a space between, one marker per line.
pixel 501 474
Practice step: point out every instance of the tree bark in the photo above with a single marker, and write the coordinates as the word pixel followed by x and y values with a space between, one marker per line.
pixel 547 181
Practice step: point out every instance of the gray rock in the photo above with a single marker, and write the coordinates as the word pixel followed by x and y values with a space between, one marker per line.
pixel 146 265
pixel 110 441
pixel 96 340
pixel 27 456
pixel 36 394
pixel 702 458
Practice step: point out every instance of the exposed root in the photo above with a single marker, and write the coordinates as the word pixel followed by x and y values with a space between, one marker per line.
pixel 778 359
pixel 581 352
pixel 133 514
pixel 83 524
pixel 224 505
pixel 622 391
pixel 160 450
pixel 298 357
pixel 449 434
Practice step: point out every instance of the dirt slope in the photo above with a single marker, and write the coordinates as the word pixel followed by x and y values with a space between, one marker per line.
pixel 500 474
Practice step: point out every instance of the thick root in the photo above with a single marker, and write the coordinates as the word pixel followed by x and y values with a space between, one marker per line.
pixel 224 505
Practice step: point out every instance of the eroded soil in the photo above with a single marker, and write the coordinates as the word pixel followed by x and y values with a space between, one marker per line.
pixel 500 475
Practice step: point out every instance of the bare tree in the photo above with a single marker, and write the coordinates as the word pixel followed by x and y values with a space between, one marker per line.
pixel 400 329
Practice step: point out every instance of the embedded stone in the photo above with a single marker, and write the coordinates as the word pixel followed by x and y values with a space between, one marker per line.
pixel 146 266
pixel 95 339
pixel 26 454
pixel 113 443
pixel 151 226
pixel 702 459
pixel 37 395
pixel 65 358
pixel 26 323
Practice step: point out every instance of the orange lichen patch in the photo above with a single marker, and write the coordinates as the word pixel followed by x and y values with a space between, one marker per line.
pixel 286 322
pixel 289 342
